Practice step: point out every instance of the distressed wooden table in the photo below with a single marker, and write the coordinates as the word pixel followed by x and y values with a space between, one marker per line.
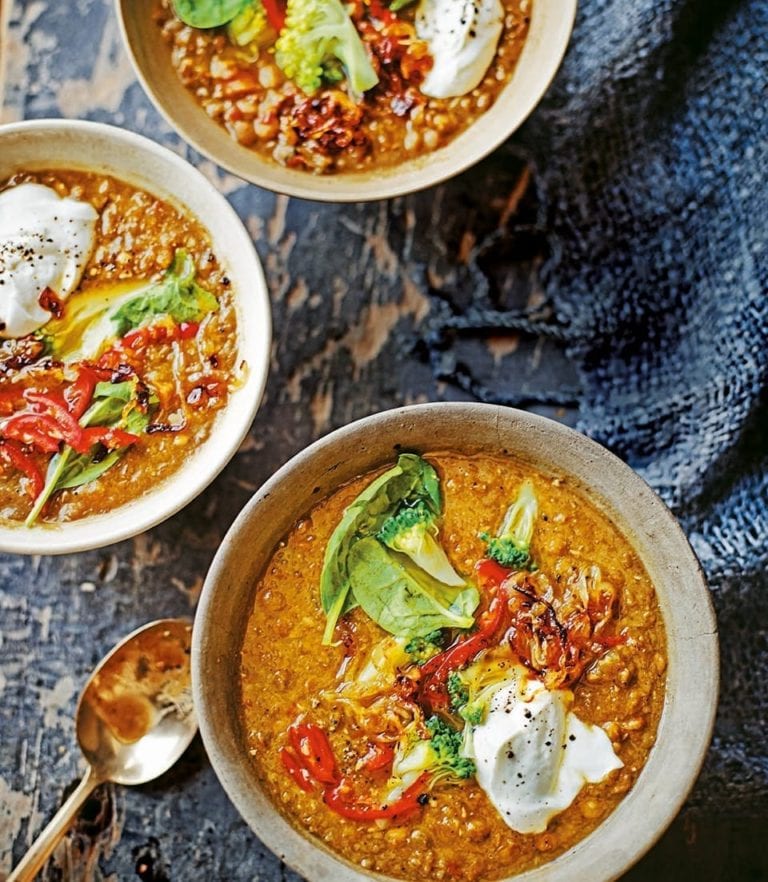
pixel 353 291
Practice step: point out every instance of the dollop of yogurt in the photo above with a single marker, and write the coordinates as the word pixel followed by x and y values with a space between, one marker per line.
pixel 533 754
pixel 462 36
pixel 45 242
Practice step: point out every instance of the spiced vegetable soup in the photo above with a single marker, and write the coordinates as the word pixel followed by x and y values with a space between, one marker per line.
pixel 329 86
pixel 454 667
pixel 118 343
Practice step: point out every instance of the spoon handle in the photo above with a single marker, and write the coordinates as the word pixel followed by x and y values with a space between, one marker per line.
pixel 40 850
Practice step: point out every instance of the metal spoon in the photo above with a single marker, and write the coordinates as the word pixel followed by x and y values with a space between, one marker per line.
pixel 134 720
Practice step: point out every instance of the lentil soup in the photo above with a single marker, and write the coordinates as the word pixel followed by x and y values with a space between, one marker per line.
pixel 371 733
pixel 134 353
pixel 253 81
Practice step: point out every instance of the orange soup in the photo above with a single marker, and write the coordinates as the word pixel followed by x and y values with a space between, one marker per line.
pixel 455 667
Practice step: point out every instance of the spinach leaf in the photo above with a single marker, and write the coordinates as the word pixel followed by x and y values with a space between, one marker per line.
pixel 412 480
pixel 177 294
pixel 74 470
pixel 401 597
pixel 109 400
pixel 208 13
pixel 397 5
pixel 114 404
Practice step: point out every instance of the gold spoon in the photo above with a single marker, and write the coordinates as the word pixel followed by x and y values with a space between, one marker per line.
pixel 134 720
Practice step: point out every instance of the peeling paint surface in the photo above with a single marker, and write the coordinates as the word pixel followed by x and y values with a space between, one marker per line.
pixel 353 290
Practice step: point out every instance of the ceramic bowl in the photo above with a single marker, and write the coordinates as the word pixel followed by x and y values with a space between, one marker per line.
pixel 692 681
pixel 550 29
pixel 46 144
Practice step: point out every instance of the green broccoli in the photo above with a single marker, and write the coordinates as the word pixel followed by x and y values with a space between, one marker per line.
pixel 458 692
pixel 511 547
pixel 472 712
pixel 412 530
pixel 421 649
pixel 318 34
pixel 439 755
pixel 446 742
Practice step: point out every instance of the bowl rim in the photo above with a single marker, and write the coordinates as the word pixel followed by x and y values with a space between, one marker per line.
pixel 122 522
pixel 355 187
pixel 696 708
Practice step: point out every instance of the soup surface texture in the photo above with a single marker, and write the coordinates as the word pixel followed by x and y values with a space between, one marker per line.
pixel 133 354
pixel 330 728
pixel 407 58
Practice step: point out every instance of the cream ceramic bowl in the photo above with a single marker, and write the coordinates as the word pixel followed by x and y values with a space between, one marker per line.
pixel 46 144
pixel 550 29
pixel 692 682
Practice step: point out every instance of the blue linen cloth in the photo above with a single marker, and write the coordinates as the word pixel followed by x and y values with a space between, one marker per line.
pixel 649 159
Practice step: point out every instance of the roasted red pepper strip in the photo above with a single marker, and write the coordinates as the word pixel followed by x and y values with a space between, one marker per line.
pixel 493 621
pixel 80 393
pixel 275 10
pixel 15 456
pixel 314 751
pixel 490 573
pixel 379 756
pixel 188 330
pixel 335 798
pixel 36 429
pixel 56 407
pixel 296 770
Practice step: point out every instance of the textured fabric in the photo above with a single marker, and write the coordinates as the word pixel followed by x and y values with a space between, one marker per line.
pixel 650 166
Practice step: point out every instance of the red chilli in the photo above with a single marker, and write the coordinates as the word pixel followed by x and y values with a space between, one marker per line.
pixel 314 751
pixel 275 10
pixel 310 760
pixel 492 623
pixel 337 799
pixel 12 453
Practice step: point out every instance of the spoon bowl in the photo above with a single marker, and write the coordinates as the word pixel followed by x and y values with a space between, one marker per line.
pixel 135 716
pixel 134 719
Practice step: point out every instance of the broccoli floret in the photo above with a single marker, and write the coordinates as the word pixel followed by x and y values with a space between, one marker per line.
pixel 457 691
pixel 440 754
pixel 472 712
pixel 446 743
pixel 421 649
pixel 511 547
pixel 317 35
pixel 412 530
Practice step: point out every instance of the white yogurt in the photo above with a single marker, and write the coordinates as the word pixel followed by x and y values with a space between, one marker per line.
pixel 45 242
pixel 462 36
pixel 533 755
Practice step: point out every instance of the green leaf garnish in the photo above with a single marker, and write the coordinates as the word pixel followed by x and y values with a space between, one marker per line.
pixel 404 599
pixel 410 481
pixel 208 13
pixel 177 294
